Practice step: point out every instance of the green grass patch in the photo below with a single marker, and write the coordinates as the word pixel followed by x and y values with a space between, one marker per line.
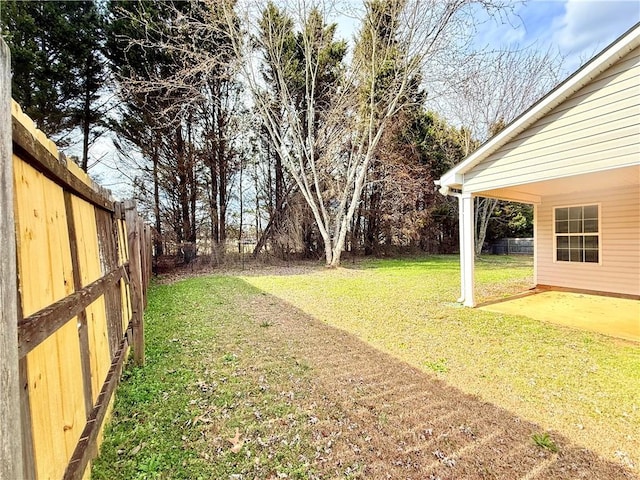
pixel 200 408
pixel 218 398
pixel 544 441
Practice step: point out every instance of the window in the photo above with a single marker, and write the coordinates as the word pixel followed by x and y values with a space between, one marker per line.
pixel 577 233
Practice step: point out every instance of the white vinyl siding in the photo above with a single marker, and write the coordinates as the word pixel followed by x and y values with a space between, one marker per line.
pixel 595 129
pixel 619 268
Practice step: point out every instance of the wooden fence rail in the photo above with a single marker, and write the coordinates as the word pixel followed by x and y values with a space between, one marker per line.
pixel 82 264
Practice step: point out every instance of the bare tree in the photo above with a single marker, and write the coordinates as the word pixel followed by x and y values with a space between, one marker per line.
pixel 485 91
pixel 327 147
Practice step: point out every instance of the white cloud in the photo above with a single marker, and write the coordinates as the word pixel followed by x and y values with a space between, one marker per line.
pixel 590 25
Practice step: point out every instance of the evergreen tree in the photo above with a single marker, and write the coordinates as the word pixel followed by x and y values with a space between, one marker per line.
pixel 178 112
pixel 57 64
pixel 140 122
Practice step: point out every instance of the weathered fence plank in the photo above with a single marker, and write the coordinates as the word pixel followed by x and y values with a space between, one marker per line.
pixel 106 226
pixel 28 456
pixel 39 326
pixel 11 465
pixel 83 334
pixel 86 448
pixel 134 233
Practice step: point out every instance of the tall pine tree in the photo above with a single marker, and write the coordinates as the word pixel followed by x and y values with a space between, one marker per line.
pixel 57 64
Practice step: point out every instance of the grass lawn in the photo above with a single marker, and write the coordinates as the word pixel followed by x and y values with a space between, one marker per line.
pixel 585 385
pixel 246 378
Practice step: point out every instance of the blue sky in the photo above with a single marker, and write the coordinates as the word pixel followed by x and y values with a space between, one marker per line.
pixel 579 29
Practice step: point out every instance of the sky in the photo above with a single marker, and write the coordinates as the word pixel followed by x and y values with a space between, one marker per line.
pixel 578 29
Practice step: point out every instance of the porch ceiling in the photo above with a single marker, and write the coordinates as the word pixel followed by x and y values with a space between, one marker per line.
pixel 533 192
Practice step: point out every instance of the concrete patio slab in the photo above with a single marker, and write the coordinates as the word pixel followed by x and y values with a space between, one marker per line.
pixel 616 317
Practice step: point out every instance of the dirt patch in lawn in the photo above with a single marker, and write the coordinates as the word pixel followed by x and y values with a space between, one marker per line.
pixel 372 416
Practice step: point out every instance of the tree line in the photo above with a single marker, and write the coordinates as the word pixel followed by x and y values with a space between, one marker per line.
pixel 253 122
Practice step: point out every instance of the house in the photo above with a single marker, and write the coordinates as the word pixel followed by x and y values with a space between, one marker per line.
pixel 574 155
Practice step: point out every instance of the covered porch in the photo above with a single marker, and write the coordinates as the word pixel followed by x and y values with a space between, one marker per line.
pixel 611 316
pixel 603 188
pixel 615 191
pixel 575 156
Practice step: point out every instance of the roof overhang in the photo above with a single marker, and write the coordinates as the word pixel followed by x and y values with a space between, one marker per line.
pixel 602 180
pixel 454 178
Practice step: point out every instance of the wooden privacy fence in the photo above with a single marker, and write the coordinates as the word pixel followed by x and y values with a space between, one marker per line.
pixel 83 263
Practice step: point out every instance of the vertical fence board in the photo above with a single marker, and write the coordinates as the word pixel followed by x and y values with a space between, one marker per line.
pixel 60 356
pixel 109 261
pixel 55 395
pixel 11 465
pixel 28 457
pixel 147 252
pixel 123 258
pixel 91 269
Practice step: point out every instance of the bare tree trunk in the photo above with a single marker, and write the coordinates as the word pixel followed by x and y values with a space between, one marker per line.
pixel 483 211
pixel 372 232
pixel 213 196
pixel 258 215
pixel 86 129
pixel 156 203
pixel 223 160
pixel 241 200
pixel 185 234
pixel 193 190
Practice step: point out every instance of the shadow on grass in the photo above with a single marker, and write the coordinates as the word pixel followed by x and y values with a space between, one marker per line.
pixel 399 422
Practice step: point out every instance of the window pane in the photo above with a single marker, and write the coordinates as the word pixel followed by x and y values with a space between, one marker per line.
pixel 575 242
pixel 575 213
pixel 562 242
pixel 575 226
pixel 591 226
pixel 591 212
pixel 575 255
pixel 562 226
pixel 590 241
pixel 562 255
pixel 591 256
pixel 562 214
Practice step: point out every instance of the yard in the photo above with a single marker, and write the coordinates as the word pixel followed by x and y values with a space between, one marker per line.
pixel 369 371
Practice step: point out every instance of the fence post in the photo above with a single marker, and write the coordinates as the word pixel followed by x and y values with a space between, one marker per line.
pixel 134 229
pixel 10 426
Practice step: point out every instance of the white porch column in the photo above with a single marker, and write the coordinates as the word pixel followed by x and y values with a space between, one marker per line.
pixel 467 250
pixel 461 241
pixel 535 244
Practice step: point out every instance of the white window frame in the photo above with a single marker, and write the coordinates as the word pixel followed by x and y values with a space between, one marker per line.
pixel 582 234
